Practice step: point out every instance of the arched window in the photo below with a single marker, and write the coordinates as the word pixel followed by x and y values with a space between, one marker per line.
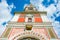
pixel 28 38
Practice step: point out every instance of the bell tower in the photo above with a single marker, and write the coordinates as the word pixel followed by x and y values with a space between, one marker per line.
pixel 29 25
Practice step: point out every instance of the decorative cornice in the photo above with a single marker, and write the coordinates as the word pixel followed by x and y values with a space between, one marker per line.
pixel 18 24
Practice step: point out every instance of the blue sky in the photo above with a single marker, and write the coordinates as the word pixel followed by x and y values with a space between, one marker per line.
pixel 19 4
pixel 10 6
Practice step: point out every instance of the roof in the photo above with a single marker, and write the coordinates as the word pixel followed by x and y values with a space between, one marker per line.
pixel 30 12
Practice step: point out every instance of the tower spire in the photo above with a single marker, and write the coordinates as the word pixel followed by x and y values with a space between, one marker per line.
pixel 30 8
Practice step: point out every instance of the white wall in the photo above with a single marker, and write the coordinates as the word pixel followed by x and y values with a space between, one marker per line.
pixel 15 18
pixel 29 16
pixel 45 18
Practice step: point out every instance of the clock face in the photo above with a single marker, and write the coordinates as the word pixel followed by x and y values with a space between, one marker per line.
pixel 28 27
pixel 28 39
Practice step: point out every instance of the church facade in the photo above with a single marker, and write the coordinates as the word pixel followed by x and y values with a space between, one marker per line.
pixel 29 25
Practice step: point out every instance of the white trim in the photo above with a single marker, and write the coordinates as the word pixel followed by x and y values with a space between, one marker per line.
pixel 15 18
pixel 45 18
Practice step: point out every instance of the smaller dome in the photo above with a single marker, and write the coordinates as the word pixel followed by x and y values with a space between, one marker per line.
pixel 30 8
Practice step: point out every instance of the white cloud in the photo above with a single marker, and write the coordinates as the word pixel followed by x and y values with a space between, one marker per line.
pixel 58 5
pixel 5 13
pixel 25 5
pixel 58 8
pixel 50 10
pixel 56 27
pixel 36 1
pixel 2 29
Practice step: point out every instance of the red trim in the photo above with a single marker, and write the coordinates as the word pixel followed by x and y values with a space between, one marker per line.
pixel 37 19
pixel 21 19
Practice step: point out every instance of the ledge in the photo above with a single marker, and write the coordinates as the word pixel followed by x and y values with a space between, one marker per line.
pixel 18 24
